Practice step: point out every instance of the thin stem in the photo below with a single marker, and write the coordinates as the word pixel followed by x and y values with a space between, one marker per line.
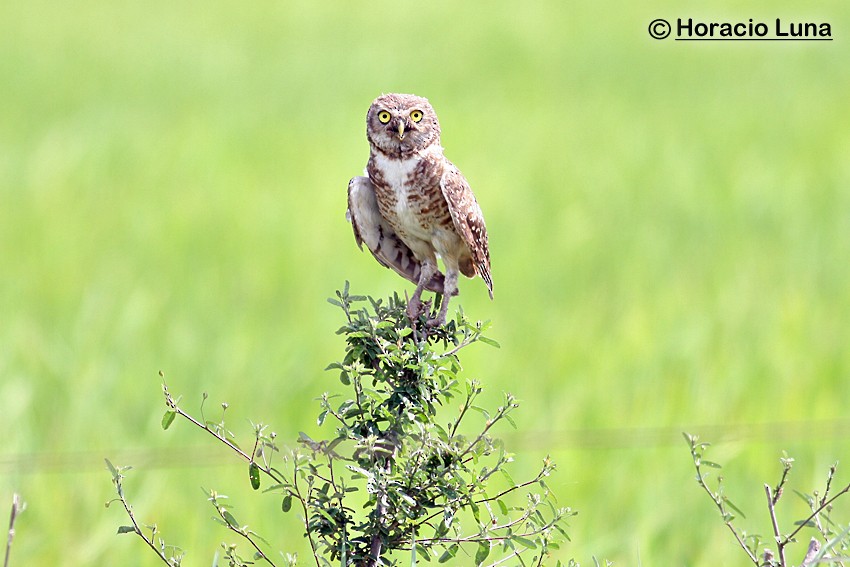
pixel 136 527
pixel 515 553
pixel 467 340
pixel 16 509
pixel 777 492
pixel 490 423
pixel 306 513
pixel 245 535
pixel 469 397
pixel 488 499
pixel 719 504
pixel 376 545
pixel 248 458
pixel 486 539
pixel 780 544
pixel 820 508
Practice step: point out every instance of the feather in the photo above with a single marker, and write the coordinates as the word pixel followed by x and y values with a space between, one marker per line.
pixel 469 222
pixel 380 238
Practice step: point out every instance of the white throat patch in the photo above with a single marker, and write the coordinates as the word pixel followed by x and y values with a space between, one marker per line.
pixel 396 171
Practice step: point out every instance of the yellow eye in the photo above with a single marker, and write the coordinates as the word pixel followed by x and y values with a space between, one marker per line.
pixel 416 115
pixel 384 116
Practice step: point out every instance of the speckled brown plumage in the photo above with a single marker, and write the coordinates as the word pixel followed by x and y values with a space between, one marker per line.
pixel 414 205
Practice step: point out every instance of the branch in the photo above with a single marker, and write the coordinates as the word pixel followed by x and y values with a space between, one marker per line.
pixel 486 539
pixel 692 441
pixel 228 518
pixel 17 508
pixel 116 477
pixel 823 505
pixel 500 414
pixel 471 395
pixel 514 488
pixel 777 536
pixel 306 513
pixel 172 403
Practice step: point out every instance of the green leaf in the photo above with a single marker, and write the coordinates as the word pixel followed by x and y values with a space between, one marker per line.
pixel 168 419
pixel 524 541
pixel 482 553
pixel 423 551
pixel 111 467
pixel 228 517
pixel 503 507
pixel 254 475
pixel 286 505
pixel 489 341
pixel 731 505
pixel 448 554
pixel 126 530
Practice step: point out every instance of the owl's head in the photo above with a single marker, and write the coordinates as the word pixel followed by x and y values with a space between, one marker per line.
pixel 400 123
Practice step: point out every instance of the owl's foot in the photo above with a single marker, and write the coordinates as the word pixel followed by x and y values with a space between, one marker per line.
pixel 414 308
pixel 438 321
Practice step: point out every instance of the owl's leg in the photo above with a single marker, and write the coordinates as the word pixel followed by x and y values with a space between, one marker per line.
pixel 428 269
pixel 449 289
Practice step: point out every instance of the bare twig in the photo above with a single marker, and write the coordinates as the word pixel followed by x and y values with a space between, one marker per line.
pixel 17 508
pixel 771 502
pixel 821 508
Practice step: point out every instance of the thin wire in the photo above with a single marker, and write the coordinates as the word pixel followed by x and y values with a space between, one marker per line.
pixel 576 439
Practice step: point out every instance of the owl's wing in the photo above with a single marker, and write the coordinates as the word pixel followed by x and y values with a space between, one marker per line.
pixel 469 222
pixel 380 238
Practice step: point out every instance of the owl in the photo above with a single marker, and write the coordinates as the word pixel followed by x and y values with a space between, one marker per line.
pixel 413 205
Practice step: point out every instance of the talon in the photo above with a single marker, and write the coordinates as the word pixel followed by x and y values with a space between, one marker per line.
pixel 414 308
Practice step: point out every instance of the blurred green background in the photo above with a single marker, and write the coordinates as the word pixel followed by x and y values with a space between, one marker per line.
pixel 670 233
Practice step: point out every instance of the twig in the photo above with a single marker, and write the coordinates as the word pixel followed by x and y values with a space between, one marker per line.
pixel 719 504
pixel 500 414
pixel 467 340
pixel 771 507
pixel 484 539
pixel 306 512
pixel 245 534
pixel 473 393
pixel 484 500
pixel 136 528
pixel 820 509
pixel 515 553
pixel 376 545
pixel 17 508
pixel 172 403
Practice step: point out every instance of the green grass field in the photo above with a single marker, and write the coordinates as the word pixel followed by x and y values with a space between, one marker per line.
pixel 670 234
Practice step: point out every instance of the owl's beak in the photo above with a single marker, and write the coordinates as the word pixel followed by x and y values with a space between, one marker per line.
pixel 401 129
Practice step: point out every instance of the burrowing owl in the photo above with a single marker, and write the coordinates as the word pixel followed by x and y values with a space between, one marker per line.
pixel 414 204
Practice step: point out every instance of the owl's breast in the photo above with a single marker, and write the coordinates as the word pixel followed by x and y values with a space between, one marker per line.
pixel 409 195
